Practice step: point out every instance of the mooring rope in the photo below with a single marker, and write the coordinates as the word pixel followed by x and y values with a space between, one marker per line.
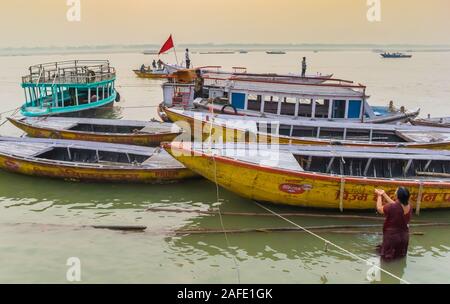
pixel 327 242
pixel 6 120
pixel 218 199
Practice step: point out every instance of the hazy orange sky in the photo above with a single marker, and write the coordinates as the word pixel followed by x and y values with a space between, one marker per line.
pixel 44 23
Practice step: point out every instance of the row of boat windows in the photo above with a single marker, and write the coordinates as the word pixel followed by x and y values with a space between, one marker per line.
pixel 330 133
pixel 378 168
pixel 288 106
pixel 92 156
pixel 66 97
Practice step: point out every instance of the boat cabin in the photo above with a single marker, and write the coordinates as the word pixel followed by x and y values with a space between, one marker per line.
pixel 334 100
pixel 70 86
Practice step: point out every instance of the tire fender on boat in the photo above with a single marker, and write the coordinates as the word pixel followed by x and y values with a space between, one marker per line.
pixel 231 106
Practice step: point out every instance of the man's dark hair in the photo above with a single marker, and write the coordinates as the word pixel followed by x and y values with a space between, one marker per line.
pixel 403 195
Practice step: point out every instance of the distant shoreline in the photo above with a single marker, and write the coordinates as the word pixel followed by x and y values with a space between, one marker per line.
pixel 52 50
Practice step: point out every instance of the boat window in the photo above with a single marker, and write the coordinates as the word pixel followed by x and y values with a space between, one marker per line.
pixel 305 107
pixel 338 109
pixel 354 108
pixel 288 106
pixel 238 100
pixel 254 102
pixel 285 130
pixel 301 131
pixel 271 104
pixel 322 106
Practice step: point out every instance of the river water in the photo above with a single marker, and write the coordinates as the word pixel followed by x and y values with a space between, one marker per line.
pixel 44 222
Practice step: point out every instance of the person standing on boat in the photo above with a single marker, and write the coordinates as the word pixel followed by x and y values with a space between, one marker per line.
pixel 304 66
pixel 188 60
pixel 396 225
pixel 142 68
pixel 199 82
pixel 160 63
pixel 154 64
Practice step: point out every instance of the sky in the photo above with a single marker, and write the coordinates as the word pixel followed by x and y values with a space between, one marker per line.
pixel 30 23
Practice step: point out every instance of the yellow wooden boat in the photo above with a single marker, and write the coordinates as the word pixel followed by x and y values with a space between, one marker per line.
pixel 334 177
pixel 132 132
pixel 89 161
pixel 231 128
pixel 150 74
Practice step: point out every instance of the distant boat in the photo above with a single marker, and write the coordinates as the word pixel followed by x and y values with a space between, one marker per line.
pixel 217 53
pixel 150 52
pixel 276 52
pixel 243 52
pixel 395 55
pixel 158 73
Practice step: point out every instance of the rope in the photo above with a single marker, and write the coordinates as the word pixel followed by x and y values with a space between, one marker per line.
pixel 15 109
pixel 5 121
pixel 327 242
pixel 218 199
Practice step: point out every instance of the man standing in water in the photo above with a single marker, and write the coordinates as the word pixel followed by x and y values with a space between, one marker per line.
pixel 396 225
pixel 188 60
pixel 304 66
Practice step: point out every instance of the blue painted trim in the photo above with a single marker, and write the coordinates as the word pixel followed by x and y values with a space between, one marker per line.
pixel 63 110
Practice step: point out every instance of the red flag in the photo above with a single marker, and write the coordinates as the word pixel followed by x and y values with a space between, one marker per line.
pixel 167 46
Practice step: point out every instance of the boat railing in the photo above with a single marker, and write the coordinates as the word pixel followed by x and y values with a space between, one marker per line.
pixel 73 72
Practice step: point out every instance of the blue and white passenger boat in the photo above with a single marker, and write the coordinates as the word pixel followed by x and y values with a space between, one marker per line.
pixel 68 87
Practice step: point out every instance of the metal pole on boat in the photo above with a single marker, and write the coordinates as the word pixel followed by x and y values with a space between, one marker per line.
pixel 176 57
pixel 363 105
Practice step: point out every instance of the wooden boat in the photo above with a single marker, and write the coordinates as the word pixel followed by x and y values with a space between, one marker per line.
pixel 231 128
pixel 68 87
pixel 151 74
pixel 278 96
pixel 162 73
pixel 395 55
pixel 89 161
pixel 441 122
pixel 321 176
pixel 130 132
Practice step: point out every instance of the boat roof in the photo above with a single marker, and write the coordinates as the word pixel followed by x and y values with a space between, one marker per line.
pixel 69 72
pixel 37 143
pixel 326 151
pixel 284 156
pixel 235 120
pixel 303 89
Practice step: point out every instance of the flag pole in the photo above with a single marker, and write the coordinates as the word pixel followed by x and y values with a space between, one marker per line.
pixel 175 52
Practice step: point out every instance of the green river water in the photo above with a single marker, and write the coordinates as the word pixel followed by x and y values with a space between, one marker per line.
pixel 44 222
